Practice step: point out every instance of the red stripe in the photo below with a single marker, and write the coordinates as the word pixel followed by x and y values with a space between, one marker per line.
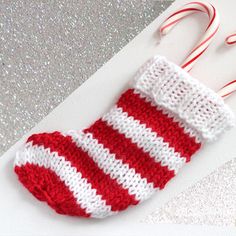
pixel 231 82
pixel 207 10
pixel 227 94
pixel 193 59
pixel 230 43
pixel 201 4
pixel 46 186
pixel 129 153
pixel 183 10
pixel 115 196
pixel 171 23
pixel 160 123
pixel 213 18
pixel 203 42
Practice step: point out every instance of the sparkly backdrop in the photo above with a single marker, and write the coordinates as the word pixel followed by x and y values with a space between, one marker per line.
pixel 49 48
pixel 211 201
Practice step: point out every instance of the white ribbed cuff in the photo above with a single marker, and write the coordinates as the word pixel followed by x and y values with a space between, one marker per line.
pixel 172 88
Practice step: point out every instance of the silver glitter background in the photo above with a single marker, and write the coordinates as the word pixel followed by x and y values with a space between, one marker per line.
pixel 211 201
pixel 49 48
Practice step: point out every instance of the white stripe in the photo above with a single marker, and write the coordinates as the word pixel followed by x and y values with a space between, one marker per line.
pixel 133 182
pixel 145 138
pixel 82 191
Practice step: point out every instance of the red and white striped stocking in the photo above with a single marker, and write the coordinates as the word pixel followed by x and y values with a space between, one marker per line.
pixel 134 149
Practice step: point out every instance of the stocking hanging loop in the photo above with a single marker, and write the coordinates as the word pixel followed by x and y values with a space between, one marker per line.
pixel 209 34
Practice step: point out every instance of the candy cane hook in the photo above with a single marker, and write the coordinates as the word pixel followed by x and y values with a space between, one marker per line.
pixel 231 39
pixel 230 87
pixel 209 34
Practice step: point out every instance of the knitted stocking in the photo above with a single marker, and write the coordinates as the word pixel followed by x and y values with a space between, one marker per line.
pixel 134 149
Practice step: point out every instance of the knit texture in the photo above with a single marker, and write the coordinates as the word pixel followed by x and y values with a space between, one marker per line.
pixel 134 149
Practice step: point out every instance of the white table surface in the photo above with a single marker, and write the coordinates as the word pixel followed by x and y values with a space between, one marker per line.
pixel 21 214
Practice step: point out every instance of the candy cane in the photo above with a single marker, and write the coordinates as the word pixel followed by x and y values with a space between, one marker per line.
pixel 231 39
pixel 211 29
pixel 230 87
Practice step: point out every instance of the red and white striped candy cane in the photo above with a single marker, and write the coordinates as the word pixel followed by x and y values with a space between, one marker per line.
pixel 227 89
pixel 231 39
pixel 206 39
pixel 230 87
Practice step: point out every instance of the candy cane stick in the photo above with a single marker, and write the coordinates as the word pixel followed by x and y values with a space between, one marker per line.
pixel 231 39
pixel 230 87
pixel 206 39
